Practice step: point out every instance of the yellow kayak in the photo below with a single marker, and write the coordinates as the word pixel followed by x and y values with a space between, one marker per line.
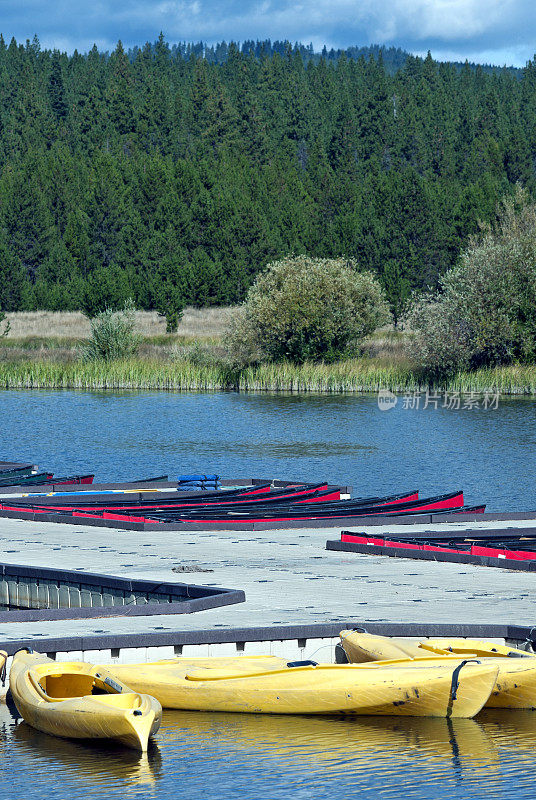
pixel 480 648
pixel 361 646
pixel 186 663
pixel 308 688
pixel 76 700
pixel 516 679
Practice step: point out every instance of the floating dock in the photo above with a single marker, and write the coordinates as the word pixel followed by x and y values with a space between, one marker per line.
pixel 292 588
pixel 290 596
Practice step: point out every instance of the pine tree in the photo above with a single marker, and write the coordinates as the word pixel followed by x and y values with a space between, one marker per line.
pixel 56 91
pixel 119 94
pixel 12 277
pixel 221 158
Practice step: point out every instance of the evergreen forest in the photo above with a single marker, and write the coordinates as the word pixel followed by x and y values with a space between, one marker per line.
pixel 173 175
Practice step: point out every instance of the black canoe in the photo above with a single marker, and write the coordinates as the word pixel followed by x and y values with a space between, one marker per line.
pixel 238 500
pixel 338 508
pixel 341 508
pixel 26 480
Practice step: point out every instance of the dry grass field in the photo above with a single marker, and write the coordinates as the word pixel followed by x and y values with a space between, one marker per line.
pixel 388 347
pixel 196 324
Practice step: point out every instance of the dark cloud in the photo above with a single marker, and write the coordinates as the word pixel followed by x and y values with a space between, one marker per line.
pixel 485 30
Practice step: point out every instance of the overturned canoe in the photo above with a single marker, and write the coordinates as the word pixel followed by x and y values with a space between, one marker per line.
pixel 26 480
pixel 74 700
pixel 452 690
pixel 516 678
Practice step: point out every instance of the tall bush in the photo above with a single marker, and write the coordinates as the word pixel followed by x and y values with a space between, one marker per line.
pixel 303 308
pixel 112 335
pixel 7 325
pixel 485 311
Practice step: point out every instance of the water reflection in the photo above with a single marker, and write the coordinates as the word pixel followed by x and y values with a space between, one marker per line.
pixel 105 764
pixel 305 741
pixel 102 764
pixel 210 756
pixel 268 449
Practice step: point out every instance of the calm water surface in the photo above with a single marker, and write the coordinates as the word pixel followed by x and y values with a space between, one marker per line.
pixel 346 439
pixel 220 756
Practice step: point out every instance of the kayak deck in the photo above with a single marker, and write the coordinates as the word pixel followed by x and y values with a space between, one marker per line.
pixel 309 688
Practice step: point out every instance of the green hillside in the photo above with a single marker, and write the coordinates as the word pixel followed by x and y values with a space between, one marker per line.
pixel 172 177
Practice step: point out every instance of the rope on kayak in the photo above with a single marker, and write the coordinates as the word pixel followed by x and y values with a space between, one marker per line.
pixel 323 647
pixel 340 653
pixel 359 628
pixel 455 682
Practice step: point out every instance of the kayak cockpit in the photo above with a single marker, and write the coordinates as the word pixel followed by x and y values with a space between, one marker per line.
pixel 54 686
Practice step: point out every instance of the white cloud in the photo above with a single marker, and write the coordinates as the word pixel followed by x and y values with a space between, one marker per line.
pixel 449 19
pixel 501 57
pixel 494 30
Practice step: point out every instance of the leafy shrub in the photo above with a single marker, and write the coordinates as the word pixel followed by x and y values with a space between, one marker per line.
pixel 196 353
pixel 485 312
pixel 303 308
pixel 112 335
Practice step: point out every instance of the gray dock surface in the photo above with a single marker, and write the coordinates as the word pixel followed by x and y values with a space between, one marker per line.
pixel 288 578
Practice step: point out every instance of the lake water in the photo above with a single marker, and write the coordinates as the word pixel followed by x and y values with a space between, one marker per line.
pixel 347 439
pixel 202 756
pixel 490 453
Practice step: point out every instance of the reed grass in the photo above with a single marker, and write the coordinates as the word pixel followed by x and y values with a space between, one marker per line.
pixel 131 374
pixel 515 379
pixel 357 375
pixel 353 375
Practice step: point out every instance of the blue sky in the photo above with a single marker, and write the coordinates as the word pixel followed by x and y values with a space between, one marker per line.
pixel 495 31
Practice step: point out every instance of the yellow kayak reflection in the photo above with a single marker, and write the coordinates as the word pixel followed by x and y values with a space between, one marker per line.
pixel 513 732
pixel 103 765
pixel 463 743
